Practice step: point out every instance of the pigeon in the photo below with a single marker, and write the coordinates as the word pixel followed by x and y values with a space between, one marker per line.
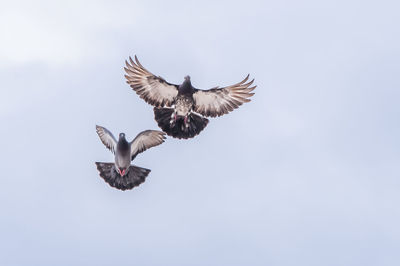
pixel 180 110
pixel 121 174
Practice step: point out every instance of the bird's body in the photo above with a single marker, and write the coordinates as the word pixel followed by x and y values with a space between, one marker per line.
pixel 183 104
pixel 122 155
pixel 121 174
pixel 179 109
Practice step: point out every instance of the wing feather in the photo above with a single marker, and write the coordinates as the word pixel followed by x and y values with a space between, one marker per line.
pixel 153 89
pixel 107 138
pixel 219 101
pixel 146 140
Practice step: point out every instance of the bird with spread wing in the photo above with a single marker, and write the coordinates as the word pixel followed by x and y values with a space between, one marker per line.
pixel 180 110
pixel 121 174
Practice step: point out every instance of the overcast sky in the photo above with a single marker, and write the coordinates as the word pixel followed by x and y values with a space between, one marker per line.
pixel 307 173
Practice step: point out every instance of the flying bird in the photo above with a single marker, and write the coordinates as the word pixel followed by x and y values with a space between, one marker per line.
pixel 121 174
pixel 180 110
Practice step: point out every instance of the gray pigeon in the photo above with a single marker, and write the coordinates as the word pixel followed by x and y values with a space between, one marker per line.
pixel 179 109
pixel 121 174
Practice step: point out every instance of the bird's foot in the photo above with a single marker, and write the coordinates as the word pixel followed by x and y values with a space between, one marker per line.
pixel 186 120
pixel 173 120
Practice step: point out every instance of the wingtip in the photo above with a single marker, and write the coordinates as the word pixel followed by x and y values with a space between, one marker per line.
pixel 246 100
pixel 163 134
pixel 138 63
pixel 131 61
pixel 249 83
pixel 244 80
pixel 252 88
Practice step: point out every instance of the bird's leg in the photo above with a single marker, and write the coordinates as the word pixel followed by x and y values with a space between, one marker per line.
pixel 121 172
pixel 187 120
pixel 173 119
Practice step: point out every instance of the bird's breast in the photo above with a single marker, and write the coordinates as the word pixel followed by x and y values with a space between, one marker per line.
pixel 122 161
pixel 183 105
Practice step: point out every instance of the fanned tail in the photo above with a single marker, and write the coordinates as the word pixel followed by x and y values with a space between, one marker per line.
pixel 178 129
pixel 134 177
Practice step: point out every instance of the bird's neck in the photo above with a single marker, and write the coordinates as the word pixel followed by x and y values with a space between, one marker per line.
pixel 186 87
pixel 123 145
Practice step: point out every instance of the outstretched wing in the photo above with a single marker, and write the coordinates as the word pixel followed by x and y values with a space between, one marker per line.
pixel 219 101
pixel 154 90
pixel 107 138
pixel 146 140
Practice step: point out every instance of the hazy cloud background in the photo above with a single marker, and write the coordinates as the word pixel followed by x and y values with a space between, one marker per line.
pixel 305 174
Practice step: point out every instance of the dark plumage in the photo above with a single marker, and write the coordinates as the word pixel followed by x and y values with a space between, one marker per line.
pixel 195 123
pixel 121 174
pixel 134 177
pixel 179 109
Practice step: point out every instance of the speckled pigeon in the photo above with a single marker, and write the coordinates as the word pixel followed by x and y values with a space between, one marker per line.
pixel 179 109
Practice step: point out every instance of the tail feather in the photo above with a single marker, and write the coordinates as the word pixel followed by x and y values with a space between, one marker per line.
pixel 178 129
pixel 134 177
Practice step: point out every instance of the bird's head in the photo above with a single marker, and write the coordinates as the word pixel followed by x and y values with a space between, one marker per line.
pixel 186 85
pixel 121 135
pixel 187 82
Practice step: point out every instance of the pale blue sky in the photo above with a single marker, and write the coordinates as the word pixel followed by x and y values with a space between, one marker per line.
pixel 306 174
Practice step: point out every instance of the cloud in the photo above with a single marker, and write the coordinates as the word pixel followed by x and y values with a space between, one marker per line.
pixel 304 174
pixel 56 33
